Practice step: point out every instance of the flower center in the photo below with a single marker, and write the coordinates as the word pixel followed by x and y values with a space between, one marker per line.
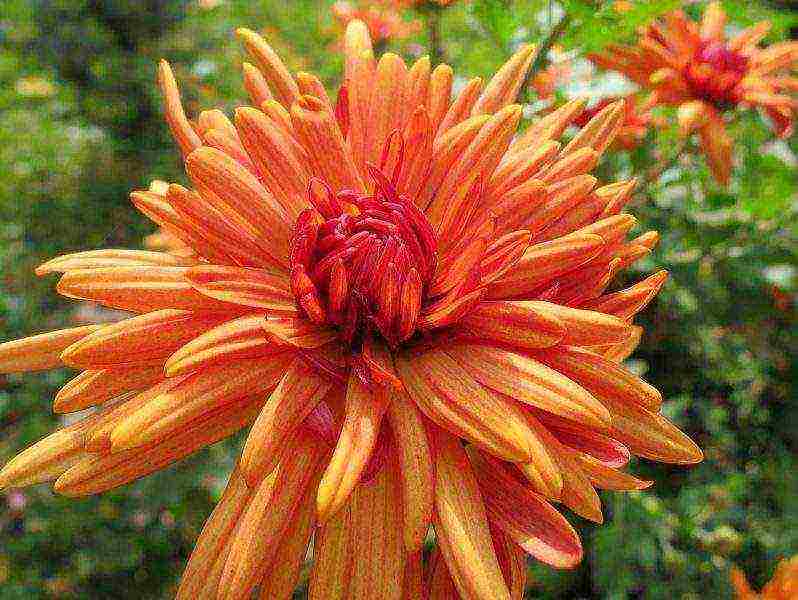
pixel 715 73
pixel 362 262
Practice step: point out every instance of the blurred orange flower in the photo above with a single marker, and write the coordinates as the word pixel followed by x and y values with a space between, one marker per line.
pixel 638 119
pixel 383 19
pixel 783 586
pixel 696 68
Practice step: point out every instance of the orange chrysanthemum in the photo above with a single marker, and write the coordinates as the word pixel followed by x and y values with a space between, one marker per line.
pixel 405 297
pixel 382 19
pixel 695 67
pixel 637 120
pixel 783 586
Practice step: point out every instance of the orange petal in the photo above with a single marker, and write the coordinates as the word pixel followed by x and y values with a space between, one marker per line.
pixel 628 302
pixel 204 568
pixel 441 586
pixel 506 83
pixel 297 331
pixel 141 339
pixel 461 524
pixel 418 82
pixel 97 473
pixel 550 127
pixel 138 289
pixel 253 288
pixel 273 69
pixel 231 341
pixel 256 85
pixel 94 387
pixel 280 164
pixel 602 377
pixel 517 323
pixel 450 396
pixel 461 108
pixel 440 95
pixel 413 582
pixel 606 477
pixel 585 327
pixel 333 558
pixel 267 518
pixel 182 131
pixel 39 352
pixel 416 476
pixel 196 398
pixel 526 517
pixel 387 101
pixel 530 382
pixel 512 561
pixel 237 193
pixel 377 547
pixel 110 258
pixel 299 391
pixel 546 261
pixel 650 435
pixel 364 412
pixel 600 131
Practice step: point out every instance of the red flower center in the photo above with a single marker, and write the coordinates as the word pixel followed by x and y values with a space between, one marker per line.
pixel 715 73
pixel 362 262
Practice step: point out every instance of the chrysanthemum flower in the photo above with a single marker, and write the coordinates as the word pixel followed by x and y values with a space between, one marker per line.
pixel 383 20
pixel 637 120
pixel 783 586
pixel 408 300
pixel 705 74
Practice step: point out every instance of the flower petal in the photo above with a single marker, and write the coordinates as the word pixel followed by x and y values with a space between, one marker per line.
pixel 94 387
pixel 253 288
pixel 40 352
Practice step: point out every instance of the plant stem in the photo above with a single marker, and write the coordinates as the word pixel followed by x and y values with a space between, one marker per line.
pixel 541 55
pixel 437 53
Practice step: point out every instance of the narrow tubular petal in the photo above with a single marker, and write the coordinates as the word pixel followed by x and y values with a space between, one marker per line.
pixel 273 69
pixel 518 167
pixel 97 473
pixel 213 234
pixel 280 164
pixel 377 546
pixel 40 352
pixel 94 387
pixel 505 84
pixel 578 493
pixel 184 134
pixel 111 258
pixel 512 561
pixel 318 132
pixel 138 289
pixel 234 340
pixel 267 518
pixel 297 331
pixel 363 417
pixel 550 127
pixel 332 558
pixel 450 396
pixel 603 448
pixel 585 327
pixel 650 435
pixel 530 382
pixel 197 398
pixel 518 323
pixel 461 525
pixel 529 520
pixel 141 339
pixel 256 85
pixel 203 572
pixel 418 82
pixel 626 303
pixel 253 288
pixel 283 575
pixel 299 391
pixel 461 108
pixel 416 475
pixel 600 131
pixel 440 95
pixel 237 193
pixel 387 101
pixel 48 458
pixel 546 261
pixel 310 85
pixel 608 478
pixel 602 377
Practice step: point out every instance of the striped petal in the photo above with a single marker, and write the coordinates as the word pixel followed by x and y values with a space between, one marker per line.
pixel 253 288
pixel 40 352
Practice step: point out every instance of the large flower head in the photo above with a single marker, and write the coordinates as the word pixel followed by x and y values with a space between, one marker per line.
pixel 695 67
pixel 408 299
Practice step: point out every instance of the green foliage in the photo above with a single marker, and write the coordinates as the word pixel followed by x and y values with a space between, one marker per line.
pixel 80 126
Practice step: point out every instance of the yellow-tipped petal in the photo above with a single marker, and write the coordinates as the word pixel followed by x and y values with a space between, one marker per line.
pixel 39 352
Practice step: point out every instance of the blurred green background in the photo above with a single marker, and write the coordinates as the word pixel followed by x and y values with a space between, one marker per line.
pixel 80 126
